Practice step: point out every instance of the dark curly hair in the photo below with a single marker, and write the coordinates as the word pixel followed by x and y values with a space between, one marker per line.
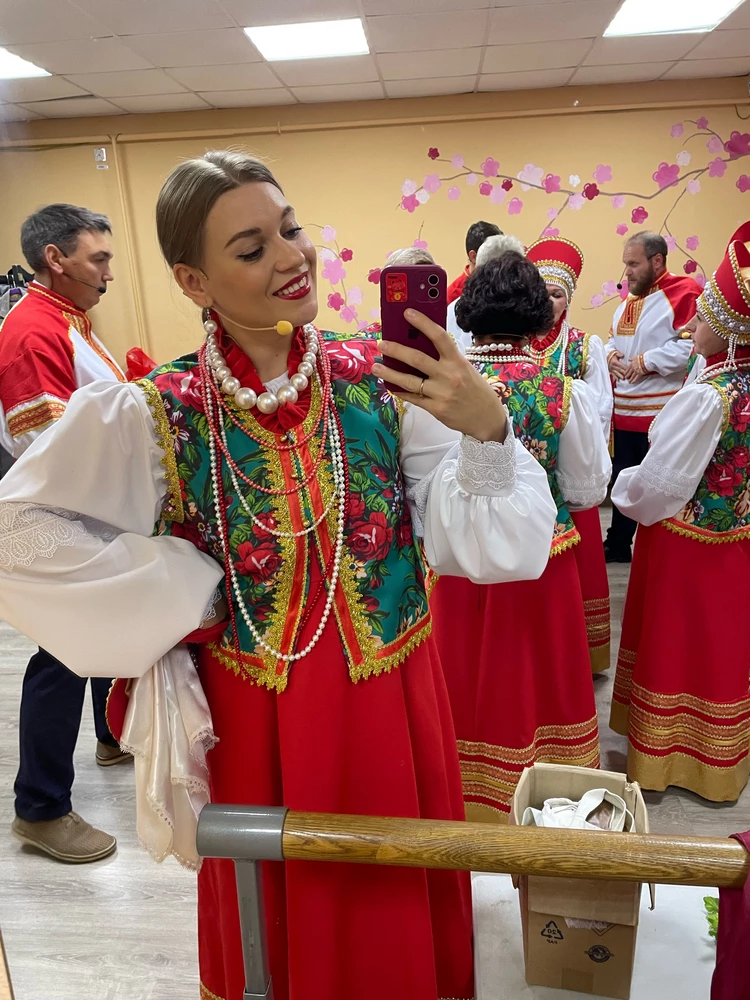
pixel 505 297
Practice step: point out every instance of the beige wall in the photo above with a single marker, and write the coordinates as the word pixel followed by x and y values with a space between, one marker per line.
pixel 344 166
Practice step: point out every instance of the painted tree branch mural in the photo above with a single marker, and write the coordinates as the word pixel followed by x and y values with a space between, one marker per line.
pixel 691 168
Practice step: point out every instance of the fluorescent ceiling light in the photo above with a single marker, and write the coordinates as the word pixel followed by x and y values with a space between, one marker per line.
pixel 315 40
pixel 669 17
pixel 15 68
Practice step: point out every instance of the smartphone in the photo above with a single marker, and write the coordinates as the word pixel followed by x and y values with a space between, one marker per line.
pixel 423 287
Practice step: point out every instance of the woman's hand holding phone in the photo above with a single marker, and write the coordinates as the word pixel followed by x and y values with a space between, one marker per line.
pixel 452 390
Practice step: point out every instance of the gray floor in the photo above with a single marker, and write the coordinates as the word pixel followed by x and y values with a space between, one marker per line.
pixel 124 929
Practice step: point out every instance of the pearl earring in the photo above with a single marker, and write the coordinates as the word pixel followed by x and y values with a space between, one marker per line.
pixel 209 325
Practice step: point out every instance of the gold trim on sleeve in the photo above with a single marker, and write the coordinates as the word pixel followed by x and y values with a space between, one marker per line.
pixel 173 509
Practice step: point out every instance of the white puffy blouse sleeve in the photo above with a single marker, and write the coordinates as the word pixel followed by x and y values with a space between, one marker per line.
pixel 80 570
pixel 583 463
pixel 683 439
pixel 597 378
pixel 485 511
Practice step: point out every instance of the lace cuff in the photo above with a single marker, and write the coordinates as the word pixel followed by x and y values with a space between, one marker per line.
pixel 486 468
pixel 670 483
pixel 28 532
pixel 583 493
pixel 417 497
pixel 210 609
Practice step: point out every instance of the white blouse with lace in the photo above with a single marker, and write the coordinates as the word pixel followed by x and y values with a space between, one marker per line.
pixel 683 439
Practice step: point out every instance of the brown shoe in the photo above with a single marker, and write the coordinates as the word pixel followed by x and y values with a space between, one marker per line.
pixel 69 838
pixel 106 755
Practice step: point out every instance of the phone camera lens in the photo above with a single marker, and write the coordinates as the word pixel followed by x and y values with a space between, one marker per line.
pixel 433 280
pixel 433 293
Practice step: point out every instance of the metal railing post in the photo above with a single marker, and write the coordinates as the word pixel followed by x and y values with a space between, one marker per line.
pixel 246 836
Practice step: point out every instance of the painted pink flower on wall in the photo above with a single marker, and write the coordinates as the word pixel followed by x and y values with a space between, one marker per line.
pixel 409 187
pixel 551 183
pixel 333 271
pixel 590 191
pixel 690 267
pixel 530 175
pixel 621 229
pixel 348 314
pixel 609 288
pixel 485 189
pixel 597 300
pixel 551 231
pixel 738 145
pixel 692 242
pixel 490 167
pixel 433 153
pixel 693 186
pixel 666 174
pixel 515 206
pixel 471 179
pixel 714 144
pixel 743 183
pixel 701 279
pixel 454 193
pixel 409 203
pixel 432 183
pixel 420 244
pixel 355 296
pixel 574 180
pixel 335 301
pixel 457 162
pixel 701 123
pixel 618 201
pixel 507 184
pixel 638 215
pixel 603 174
pixel 552 213
pixel 671 243
pixel 577 201
pixel 717 168
pixel 498 195
pixel 346 255
pixel 328 234
pixel 683 157
pixel 677 130
pixel 373 276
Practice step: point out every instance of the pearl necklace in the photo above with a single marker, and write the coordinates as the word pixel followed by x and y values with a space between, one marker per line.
pixel 722 368
pixel 561 340
pixel 245 398
pixel 213 403
pixel 485 352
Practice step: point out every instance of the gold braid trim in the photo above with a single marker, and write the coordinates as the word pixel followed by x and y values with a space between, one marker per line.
pixel 567 393
pixel 564 542
pixel 585 352
pixel 707 537
pixel 173 509
pixel 206 994
pixel 717 784
pixel 374 666
pixel 726 403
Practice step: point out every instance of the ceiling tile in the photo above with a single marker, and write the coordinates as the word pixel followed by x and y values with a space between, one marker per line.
pixel 144 17
pixel 415 32
pixel 95 55
pixel 131 83
pixel 534 80
pixel 196 48
pixel 355 92
pixel 372 7
pixel 161 102
pixel 76 107
pixel 656 48
pixel 14 113
pixel 248 98
pixel 324 72
pixel 631 73
pixel 739 19
pixel 249 13
pixel 44 88
pixel 241 76
pixel 46 21
pixel 536 55
pixel 429 65
pixel 697 69
pixel 431 88
pixel 550 22
pixel 723 45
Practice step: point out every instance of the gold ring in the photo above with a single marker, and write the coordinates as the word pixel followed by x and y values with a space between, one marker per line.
pixel 421 388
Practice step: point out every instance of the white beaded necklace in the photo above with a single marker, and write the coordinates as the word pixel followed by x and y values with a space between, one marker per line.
pixel 246 398
pixel 339 479
pixel 484 353
pixel 561 340
pixel 730 364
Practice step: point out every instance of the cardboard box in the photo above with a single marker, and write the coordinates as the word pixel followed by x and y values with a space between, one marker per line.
pixel 578 934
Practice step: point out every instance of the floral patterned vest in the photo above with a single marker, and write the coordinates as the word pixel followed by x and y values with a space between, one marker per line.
pixel 381 605
pixel 720 508
pixel 539 404
pixel 576 358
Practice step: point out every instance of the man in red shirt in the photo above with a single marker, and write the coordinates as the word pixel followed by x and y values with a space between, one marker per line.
pixel 476 234
pixel 47 351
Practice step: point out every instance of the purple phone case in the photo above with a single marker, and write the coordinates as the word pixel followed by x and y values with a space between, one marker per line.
pixel 416 295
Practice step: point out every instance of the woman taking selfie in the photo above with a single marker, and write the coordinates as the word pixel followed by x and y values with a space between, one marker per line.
pixel 515 655
pixel 276 469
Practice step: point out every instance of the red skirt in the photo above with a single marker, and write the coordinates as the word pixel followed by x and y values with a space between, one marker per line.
pixel 592 570
pixel 385 746
pixel 516 662
pixel 683 671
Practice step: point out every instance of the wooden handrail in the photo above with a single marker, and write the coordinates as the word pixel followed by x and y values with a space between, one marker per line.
pixel 512 850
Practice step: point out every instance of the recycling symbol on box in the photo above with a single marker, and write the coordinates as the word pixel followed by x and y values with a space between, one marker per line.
pixel 552 932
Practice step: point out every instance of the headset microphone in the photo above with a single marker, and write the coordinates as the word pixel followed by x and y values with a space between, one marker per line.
pixel 99 288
